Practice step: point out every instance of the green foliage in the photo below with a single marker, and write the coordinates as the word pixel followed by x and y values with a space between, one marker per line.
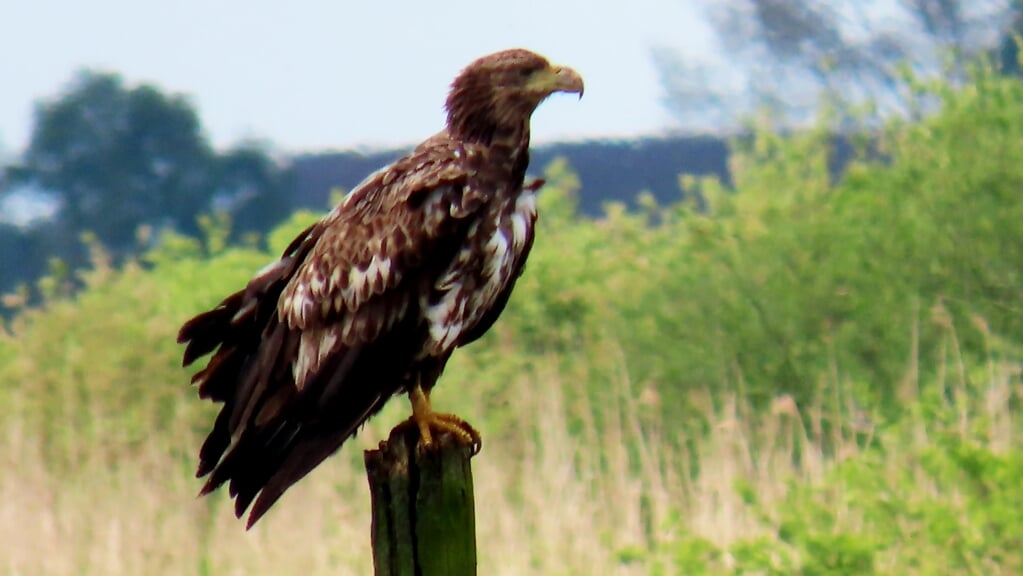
pixel 950 507
pixel 879 316
pixel 791 280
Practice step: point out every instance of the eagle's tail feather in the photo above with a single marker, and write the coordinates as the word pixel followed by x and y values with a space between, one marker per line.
pixel 266 461
pixel 233 332
pixel 207 330
pixel 265 452
pixel 215 444
pixel 300 461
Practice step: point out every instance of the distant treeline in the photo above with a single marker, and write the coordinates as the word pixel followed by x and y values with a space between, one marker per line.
pixel 608 170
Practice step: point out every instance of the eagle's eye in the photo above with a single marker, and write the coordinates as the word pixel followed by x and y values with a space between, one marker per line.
pixel 526 72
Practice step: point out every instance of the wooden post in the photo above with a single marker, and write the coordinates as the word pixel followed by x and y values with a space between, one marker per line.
pixel 424 520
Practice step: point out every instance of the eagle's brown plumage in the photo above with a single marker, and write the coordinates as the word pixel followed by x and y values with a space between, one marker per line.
pixel 371 300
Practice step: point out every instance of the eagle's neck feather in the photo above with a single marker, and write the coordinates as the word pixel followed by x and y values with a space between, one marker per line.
pixel 479 114
pixel 481 129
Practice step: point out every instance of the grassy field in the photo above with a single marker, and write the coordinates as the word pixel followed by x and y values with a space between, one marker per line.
pixel 810 377
pixel 612 499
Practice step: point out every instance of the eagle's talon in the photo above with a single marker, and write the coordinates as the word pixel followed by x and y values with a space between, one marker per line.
pixel 461 430
pixel 432 424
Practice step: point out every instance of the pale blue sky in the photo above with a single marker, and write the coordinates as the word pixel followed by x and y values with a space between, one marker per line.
pixel 328 74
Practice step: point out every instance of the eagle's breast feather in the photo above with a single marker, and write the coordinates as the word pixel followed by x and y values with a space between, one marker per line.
pixel 485 268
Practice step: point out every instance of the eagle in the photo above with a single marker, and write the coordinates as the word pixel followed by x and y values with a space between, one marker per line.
pixel 370 301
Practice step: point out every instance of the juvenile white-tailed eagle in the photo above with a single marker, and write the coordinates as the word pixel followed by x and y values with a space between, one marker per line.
pixel 371 300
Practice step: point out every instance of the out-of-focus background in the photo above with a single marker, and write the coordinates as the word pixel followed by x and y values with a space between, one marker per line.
pixel 772 324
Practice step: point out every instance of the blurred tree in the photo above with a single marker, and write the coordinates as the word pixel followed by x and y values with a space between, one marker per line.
pixel 785 55
pixel 252 187
pixel 1008 51
pixel 12 253
pixel 25 254
pixel 117 158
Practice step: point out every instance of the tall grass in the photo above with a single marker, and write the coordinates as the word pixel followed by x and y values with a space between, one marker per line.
pixel 553 496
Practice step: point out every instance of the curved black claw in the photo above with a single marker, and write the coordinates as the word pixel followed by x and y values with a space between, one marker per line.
pixel 434 424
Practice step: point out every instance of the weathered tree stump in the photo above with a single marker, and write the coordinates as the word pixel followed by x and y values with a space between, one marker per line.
pixel 424 521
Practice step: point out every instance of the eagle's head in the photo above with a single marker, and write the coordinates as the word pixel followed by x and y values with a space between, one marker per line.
pixel 496 94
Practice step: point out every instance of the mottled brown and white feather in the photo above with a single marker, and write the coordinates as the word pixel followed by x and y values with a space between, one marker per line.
pixel 371 300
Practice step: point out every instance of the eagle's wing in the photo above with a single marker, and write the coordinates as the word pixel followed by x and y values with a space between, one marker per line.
pixel 319 340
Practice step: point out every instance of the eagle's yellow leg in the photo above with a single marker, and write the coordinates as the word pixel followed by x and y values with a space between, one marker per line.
pixel 430 422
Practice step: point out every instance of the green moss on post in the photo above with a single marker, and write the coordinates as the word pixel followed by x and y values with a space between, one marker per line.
pixel 424 520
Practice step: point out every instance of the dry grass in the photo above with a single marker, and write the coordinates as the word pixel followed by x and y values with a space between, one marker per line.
pixel 561 504
pixel 549 500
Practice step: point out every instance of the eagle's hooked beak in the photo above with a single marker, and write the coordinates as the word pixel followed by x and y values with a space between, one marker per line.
pixel 567 80
pixel 560 79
